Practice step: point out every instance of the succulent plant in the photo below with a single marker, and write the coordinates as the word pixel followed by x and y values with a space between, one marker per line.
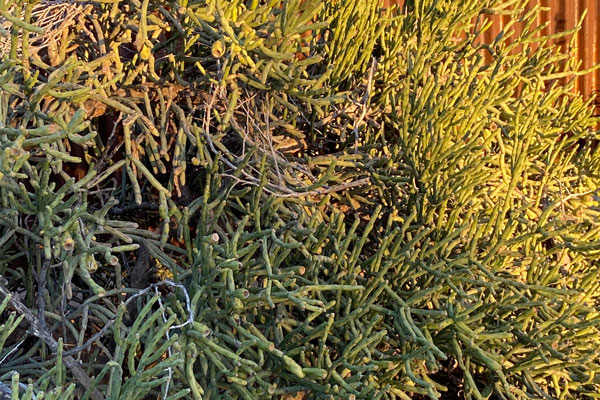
pixel 248 200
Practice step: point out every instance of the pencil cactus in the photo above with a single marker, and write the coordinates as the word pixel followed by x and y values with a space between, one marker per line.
pixel 332 199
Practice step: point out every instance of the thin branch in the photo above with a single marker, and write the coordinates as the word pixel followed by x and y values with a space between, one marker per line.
pixel 38 330
pixel 11 351
pixel 332 189
pixel 365 103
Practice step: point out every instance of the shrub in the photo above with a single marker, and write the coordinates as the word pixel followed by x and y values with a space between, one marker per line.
pixel 219 199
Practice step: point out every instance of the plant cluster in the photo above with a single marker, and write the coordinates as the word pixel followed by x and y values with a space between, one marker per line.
pixel 292 199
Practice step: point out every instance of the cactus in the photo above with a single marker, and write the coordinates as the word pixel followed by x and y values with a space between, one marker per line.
pixel 247 200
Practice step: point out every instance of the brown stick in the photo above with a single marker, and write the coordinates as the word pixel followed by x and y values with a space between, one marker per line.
pixel 139 279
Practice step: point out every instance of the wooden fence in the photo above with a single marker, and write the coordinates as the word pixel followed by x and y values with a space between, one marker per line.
pixel 564 15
